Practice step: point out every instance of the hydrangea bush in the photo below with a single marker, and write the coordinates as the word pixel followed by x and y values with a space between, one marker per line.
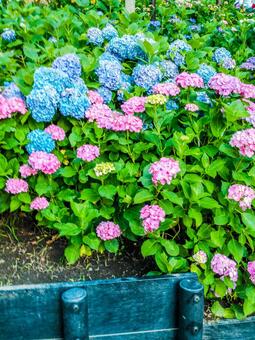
pixel 125 128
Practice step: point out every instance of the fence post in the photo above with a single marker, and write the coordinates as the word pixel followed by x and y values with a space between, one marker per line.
pixel 130 6
pixel 75 314
pixel 191 310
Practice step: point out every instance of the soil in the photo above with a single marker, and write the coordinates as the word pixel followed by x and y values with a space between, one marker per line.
pixel 29 254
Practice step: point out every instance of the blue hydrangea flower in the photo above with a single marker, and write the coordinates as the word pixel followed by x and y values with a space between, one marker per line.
pixel 8 35
pixel 174 19
pixel 154 25
pixel 203 98
pixel 206 72
pixel 187 37
pixel 196 28
pixel 73 103
pixel 177 50
pixel 172 105
pixel 105 93
pixel 95 36
pixel 193 20
pixel 108 57
pixel 56 78
pixel 220 54
pixel 146 76
pixel 228 63
pixel 109 32
pixel 40 140
pixel 126 47
pixel 109 74
pixel 43 103
pixel 80 85
pixel 12 90
pixel 169 69
pixel 70 64
pixel 53 40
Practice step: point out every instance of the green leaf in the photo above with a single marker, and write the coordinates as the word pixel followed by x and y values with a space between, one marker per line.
pixel 218 237
pixel 24 197
pixel 67 172
pixel 172 197
pixel 170 246
pixel 67 229
pixel 208 203
pixel 248 307
pixel 236 250
pixel 196 215
pixel 218 310
pixel 235 111
pixel 92 241
pixel 15 204
pixel 149 247
pixel 221 217
pixel 112 246
pixel 90 195
pixel 85 211
pixel 249 221
pixel 72 253
pixel 143 196
pixel 107 191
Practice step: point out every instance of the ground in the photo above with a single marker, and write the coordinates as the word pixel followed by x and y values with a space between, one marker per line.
pixel 29 254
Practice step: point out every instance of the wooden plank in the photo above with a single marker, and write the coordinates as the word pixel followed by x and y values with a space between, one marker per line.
pixel 118 309
pixel 230 329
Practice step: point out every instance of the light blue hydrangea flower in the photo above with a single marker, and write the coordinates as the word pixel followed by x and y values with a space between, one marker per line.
pixel 40 140
pixel 53 40
pixel 172 105
pixel 109 74
pixel 12 90
pixel 203 98
pixel 169 69
pixel 106 56
pixel 95 36
pixel 126 48
pixel 43 103
pixel 177 51
pixel 8 35
pixel 69 64
pixel 105 93
pixel 206 72
pixel 228 63
pixel 73 103
pixel 220 54
pixel 146 76
pixel 109 32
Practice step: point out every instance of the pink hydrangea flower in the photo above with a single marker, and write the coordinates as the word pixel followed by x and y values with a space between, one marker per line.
pixel 251 271
pixel 152 215
pixel 247 90
pixel 26 171
pixel 167 89
pixel 251 111
pixel 224 266
pixel 133 105
pixel 224 84
pixel 88 152
pixel 101 113
pixel 46 162
pixel 191 107
pixel 242 194
pixel 17 105
pixel 5 111
pixel 16 186
pixel 39 203
pixel 94 97
pixel 200 257
pixel 185 79
pixel 164 170
pixel 108 231
pixel 127 123
pixel 245 141
pixel 56 132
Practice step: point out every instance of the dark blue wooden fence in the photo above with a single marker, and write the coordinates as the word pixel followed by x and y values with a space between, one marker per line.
pixel 155 308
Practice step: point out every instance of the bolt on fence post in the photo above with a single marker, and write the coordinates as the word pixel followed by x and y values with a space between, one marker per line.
pixel 75 314
pixel 191 310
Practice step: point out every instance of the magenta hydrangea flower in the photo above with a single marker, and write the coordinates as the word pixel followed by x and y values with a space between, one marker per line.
pixel 164 170
pixel 167 89
pixel 251 271
pixel 39 203
pixel 185 79
pixel 200 257
pixel 88 152
pixel 251 111
pixel 16 186
pixel 108 231
pixel 242 194
pixel 94 97
pixel 224 266
pixel 56 132
pixel 224 84
pixel 191 107
pixel 101 114
pixel 152 215
pixel 26 171
pixel 48 163
pixel 247 90
pixel 134 105
pixel 11 105
pixel 127 123
pixel 245 141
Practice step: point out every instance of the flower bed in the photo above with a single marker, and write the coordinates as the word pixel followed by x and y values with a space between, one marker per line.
pixel 139 130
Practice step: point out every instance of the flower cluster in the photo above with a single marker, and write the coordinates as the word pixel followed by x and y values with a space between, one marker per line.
pixel 45 162
pixel 56 132
pixel 26 171
pixel 8 35
pixel 102 169
pixel 109 74
pixel 12 90
pixel 105 94
pixel 206 72
pixel 245 141
pixel 152 215
pixel 224 267
pixel 191 107
pixel 185 79
pixel 224 84
pixel 39 203
pixel 169 70
pixel 94 97
pixel 242 194
pixel 8 106
pixel 108 231
pixel 176 51
pixel 156 99
pixel 164 170
pixel 88 152
pixel 40 140
pixel 223 57
pixel 251 271
pixel 167 89
pixel 16 186
pixel 200 257
pixel 126 48
pixel 249 64
pixel 95 36
pixel 134 105
pixel 146 76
